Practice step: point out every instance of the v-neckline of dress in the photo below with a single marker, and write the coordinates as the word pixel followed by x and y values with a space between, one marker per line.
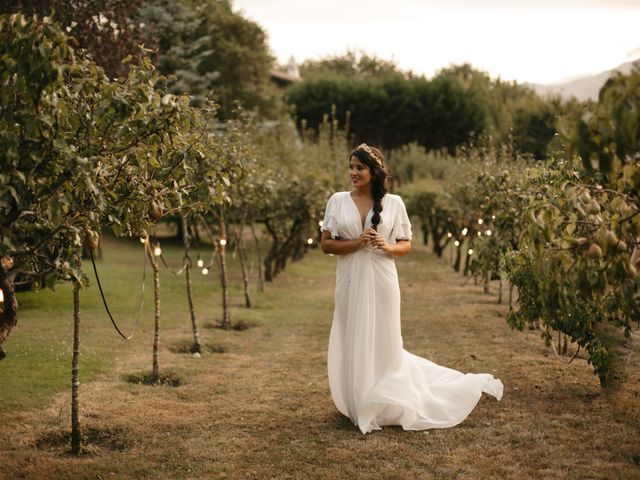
pixel 362 223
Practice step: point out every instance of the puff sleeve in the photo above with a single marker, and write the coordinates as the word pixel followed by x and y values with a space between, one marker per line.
pixel 330 221
pixel 402 224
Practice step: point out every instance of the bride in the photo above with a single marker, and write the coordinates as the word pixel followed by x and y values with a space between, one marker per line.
pixel 373 380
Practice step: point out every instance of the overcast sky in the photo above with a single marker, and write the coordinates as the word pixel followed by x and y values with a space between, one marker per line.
pixel 542 41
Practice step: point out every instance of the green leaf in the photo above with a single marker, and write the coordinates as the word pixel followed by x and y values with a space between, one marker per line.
pixel 50 279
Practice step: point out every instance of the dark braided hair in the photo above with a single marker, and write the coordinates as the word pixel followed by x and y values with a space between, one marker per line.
pixel 373 158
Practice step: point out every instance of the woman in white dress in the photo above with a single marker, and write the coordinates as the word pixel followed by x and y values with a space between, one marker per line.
pixel 373 380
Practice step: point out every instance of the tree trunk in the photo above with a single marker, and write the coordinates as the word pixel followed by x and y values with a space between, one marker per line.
pixel 456 264
pixel 271 255
pixel 300 249
pixel 439 229
pixel 485 282
pixel 499 289
pixel 467 260
pixel 226 320
pixel 8 308
pixel 510 296
pixel 259 255
pixel 180 227
pixel 437 236
pixel 243 264
pixel 425 234
pixel 155 375
pixel 186 238
pixel 288 248
pixel 76 438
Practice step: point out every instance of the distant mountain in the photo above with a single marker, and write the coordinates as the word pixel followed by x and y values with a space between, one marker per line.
pixel 583 88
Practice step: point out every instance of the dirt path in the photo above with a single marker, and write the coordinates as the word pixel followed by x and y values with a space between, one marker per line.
pixel 262 409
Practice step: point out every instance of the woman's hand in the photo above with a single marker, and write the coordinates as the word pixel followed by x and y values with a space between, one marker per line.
pixel 380 243
pixel 401 247
pixel 366 236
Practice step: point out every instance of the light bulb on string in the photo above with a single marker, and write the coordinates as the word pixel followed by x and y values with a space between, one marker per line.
pixel 457 243
pixel 464 231
pixel 470 251
pixel 449 235
pixel 143 240
pixel 493 217
pixel 321 222
pixel 223 242
pixel 480 221
pixel 205 270
pixel 200 263
pixel 488 233
pixel 1 296
pixel 6 262
pixel 157 251
pixel 310 241
pixel 479 234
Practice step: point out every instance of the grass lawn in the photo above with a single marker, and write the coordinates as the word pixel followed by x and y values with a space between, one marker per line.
pixel 262 409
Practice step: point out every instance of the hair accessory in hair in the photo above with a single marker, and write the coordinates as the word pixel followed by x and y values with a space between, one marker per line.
pixel 365 147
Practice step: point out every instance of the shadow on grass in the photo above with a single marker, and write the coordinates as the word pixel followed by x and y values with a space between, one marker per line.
pixel 166 379
pixel 238 326
pixel 95 440
pixel 191 348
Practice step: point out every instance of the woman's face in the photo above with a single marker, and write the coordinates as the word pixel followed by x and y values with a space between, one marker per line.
pixel 359 172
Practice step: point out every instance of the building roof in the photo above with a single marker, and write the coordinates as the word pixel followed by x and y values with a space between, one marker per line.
pixel 283 79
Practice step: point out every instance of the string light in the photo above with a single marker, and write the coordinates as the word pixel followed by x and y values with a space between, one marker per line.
pixel 480 221
pixel 457 243
pixel 310 241
pixel 321 222
pixel 6 262
pixel 1 296
pixel 449 235
pixel 200 263
pixel 493 217
pixel 479 234
pixel 488 233
pixel 157 251
pixel 143 240
pixel 205 270
pixel 470 251
pixel 223 242
pixel 464 231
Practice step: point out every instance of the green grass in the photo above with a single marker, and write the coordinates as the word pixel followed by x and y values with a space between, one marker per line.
pixel 39 347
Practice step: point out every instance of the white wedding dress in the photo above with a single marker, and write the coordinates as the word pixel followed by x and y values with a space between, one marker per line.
pixel 373 380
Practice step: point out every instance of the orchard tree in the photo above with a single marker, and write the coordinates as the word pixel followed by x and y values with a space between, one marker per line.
pixel 175 170
pixel 303 173
pixel 49 184
pixel 108 29
pixel 82 152
pixel 48 188
pixel 581 236
pixel 534 128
